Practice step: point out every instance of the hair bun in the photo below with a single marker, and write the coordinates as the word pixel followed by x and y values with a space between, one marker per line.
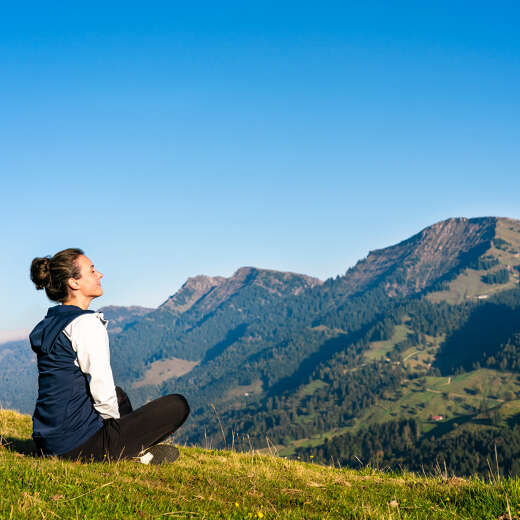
pixel 41 272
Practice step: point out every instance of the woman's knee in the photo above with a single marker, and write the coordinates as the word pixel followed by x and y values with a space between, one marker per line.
pixel 180 405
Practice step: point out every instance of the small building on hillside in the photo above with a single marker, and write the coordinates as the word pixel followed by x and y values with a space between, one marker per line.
pixel 437 417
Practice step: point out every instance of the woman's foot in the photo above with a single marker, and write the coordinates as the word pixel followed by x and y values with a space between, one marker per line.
pixel 158 454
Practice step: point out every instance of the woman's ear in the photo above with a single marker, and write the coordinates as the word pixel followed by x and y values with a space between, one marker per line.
pixel 73 284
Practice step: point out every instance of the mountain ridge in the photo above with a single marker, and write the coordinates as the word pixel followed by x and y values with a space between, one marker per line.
pixel 208 292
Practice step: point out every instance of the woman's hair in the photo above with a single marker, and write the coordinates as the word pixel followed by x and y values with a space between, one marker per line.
pixel 52 274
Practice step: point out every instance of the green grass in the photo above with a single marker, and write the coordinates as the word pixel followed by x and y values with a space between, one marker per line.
pixel 207 484
pixel 240 391
pixel 509 230
pixel 469 285
pixel 310 388
pixel 379 349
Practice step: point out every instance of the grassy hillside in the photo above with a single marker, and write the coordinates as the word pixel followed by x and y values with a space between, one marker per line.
pixel 225 484
pixel 460 399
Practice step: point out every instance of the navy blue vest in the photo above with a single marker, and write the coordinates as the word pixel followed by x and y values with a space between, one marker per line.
pixel 64 417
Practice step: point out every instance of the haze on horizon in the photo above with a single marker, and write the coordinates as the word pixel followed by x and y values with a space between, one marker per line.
pixel 170 140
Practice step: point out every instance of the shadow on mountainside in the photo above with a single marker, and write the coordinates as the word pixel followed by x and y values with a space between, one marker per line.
pixel 447 426
pixel 326 351
pixel 487 329
pixel 232 336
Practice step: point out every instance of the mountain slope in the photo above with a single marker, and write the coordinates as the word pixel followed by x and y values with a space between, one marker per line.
pixel 120 317
pixel 308 378
pixel 410 267
pixel 216 313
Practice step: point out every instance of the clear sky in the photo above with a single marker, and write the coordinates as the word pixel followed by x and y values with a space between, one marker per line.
pixel 169 139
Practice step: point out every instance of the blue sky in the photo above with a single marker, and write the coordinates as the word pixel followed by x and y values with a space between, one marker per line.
pixel 169 140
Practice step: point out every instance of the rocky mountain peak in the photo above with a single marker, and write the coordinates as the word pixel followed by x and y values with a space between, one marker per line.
pixel 424 258
pixel 208 292
pixel 275 282
pixel 195 288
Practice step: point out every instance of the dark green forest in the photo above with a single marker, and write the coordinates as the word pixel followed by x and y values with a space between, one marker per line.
pixel 284 413
pixel 399 444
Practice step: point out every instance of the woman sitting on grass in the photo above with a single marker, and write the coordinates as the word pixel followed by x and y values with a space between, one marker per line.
pixel 79 413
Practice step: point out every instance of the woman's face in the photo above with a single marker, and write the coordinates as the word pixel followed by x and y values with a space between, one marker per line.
pixel 89 283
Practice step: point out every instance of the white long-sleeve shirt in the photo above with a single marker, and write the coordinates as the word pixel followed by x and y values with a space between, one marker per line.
pixel 89 338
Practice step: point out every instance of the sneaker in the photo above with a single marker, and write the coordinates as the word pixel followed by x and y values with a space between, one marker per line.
pixel 159 453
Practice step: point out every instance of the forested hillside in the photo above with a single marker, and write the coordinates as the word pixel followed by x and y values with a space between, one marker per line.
pixel 352 358
pixel 413 349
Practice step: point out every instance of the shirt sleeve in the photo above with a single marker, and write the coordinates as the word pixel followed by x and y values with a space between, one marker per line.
pixel 89 338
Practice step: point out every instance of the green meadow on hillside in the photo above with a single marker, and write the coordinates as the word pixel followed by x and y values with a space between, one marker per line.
pixel 207 484
pixel 477 397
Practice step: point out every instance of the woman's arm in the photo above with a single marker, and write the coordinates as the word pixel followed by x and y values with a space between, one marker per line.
pixel 89 338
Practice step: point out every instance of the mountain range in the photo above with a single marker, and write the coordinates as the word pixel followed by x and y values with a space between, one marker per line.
pixel 415 347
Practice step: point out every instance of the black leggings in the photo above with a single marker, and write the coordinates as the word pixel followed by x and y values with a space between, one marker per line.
pixel 136 430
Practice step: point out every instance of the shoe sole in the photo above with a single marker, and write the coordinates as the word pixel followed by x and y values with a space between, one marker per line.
pixel 159 454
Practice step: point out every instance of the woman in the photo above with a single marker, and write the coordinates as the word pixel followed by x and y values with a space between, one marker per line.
pixel 80 413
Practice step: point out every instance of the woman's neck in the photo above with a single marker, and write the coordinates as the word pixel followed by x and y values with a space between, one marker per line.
pixel 80 301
